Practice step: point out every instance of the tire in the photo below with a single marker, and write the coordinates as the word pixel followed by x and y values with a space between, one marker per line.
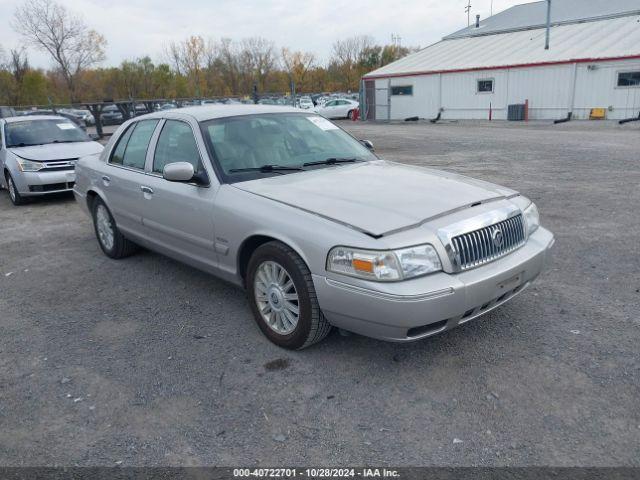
pixel 110 239
pixel 14 195
pixel 271 300
pixel 350 115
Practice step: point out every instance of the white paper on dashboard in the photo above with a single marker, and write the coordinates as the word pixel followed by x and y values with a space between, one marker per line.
pixel 322 123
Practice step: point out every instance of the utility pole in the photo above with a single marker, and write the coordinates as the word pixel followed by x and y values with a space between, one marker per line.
pixel 546 42
pixel 468 10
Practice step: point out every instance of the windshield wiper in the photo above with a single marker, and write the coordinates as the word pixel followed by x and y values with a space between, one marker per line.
pixel 66 141
pixel 331 161
pixel 266 169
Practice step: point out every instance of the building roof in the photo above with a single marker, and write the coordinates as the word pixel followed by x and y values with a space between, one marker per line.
pixel 607 39
pixel 534 15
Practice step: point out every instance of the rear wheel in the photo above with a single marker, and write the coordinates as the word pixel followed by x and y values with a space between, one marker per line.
pixel 14 195
pixel 111 240
pixel 283 299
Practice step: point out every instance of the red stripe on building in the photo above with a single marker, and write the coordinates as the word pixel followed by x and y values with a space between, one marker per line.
pixel 503 67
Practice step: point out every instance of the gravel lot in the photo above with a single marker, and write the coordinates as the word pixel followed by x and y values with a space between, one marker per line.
pixel 149 362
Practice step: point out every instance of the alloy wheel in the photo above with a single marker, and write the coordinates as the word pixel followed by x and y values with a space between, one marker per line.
pixel 12 189
pixel 106 233
pixel 276 297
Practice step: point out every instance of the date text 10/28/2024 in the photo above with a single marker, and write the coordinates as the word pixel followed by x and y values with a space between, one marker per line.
pixel 315 473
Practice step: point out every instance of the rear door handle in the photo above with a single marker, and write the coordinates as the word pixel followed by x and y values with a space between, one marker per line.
pixel 146 190
pixel 106 180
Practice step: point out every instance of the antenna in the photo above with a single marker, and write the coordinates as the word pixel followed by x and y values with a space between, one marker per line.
pixel 491 7
pixel 467 9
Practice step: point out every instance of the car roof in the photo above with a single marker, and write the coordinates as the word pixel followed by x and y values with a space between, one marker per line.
pixel 209 112
pixel 25 118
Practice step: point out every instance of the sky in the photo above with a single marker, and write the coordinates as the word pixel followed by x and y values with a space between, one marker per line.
pixel 134 28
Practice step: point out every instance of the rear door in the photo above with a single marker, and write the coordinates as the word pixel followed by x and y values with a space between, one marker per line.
pixel 179 215
pixel 125 174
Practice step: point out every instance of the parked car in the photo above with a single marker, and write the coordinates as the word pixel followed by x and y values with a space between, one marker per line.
pixel 318 229
pixel 168 106
pixel 7 112
pixel 305 103
pixel 38 155
pixel 82 116
pixel 111 115
pixel 62 113
pixel 340 108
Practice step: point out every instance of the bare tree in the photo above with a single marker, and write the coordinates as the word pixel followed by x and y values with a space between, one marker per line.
pixel 261 57
pixel 188 58
pixel 18 64
pixel 347 54
pixel 71 43
pixel 297 65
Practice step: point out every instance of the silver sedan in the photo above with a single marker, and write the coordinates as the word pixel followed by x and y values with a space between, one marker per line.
pixel 318 229
pixel 38 155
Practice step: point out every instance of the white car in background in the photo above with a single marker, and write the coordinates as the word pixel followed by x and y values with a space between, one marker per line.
pixel 338 108
pixel 305 103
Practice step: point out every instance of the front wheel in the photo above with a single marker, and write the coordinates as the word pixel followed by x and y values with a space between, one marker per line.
pixel 111 240
pixel 350 115
pixel 14 195
pixel 283 298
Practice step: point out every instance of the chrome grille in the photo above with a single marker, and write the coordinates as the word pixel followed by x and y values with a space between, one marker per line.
pixel 488 243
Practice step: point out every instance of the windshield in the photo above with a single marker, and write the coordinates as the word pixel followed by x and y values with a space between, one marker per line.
pixel 243 144
pixel 39 132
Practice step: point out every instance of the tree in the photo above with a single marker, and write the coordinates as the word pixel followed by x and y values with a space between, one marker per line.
pixel 347 54
pixel 260 59
pixel 297 65
pixel 71 44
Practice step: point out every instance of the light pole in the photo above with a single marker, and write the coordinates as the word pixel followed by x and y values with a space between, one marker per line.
pixel 546 41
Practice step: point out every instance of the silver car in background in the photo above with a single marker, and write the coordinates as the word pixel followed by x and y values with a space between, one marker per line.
pixel 38 155
pixel 318 229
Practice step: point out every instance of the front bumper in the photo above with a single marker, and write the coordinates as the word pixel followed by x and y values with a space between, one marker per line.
pixel 434 303
pixel 43 183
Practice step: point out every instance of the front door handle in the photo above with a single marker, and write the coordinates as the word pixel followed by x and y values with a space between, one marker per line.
pixel 147 190
pixel 106 180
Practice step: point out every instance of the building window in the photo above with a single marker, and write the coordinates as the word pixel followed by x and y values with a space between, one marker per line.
pixel 629 79
pixel 402 90
pixel 485 85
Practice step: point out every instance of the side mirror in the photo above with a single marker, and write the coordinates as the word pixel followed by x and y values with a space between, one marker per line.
pixel 94 136
pixel 367 143
pixel 178 172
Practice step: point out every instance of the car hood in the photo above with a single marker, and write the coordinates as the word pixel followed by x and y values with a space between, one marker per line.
pixel 376 197
pixel 57 151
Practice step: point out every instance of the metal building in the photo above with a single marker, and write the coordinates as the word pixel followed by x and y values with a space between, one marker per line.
pixel 593 62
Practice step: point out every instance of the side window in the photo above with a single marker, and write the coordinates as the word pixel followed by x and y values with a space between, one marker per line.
pixel 331 103
pixel 176 144
pixel 136 151
pixel 131 149
pixel 485 86
pixel 118 153
pixel 629 79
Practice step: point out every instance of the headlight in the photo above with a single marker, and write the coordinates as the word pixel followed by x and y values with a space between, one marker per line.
pixel 532 218
pixel 29 166
pixel 384 266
